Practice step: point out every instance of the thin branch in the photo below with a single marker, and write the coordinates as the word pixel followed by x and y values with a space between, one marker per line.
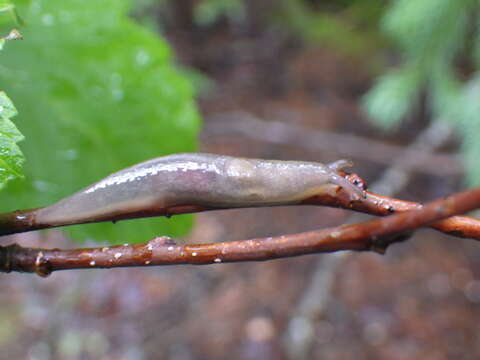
pixel 374 204
pixel 375 235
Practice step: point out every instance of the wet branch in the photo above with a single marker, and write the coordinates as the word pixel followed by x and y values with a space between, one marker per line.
pixel 375 204
pixel 375 235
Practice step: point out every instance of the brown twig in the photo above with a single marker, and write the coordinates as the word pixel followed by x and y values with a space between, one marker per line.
pixel 374 204
pixel 375 235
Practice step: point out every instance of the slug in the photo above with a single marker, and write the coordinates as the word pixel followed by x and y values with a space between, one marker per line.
pixel 196 179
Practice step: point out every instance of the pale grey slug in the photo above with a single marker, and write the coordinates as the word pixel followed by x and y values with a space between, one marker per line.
pixel 196 179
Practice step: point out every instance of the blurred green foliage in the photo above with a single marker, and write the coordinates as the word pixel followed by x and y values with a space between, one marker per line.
pixel 349 26
pixel 97 93
pixel 439 58
pixel 345 25
pixel 206 12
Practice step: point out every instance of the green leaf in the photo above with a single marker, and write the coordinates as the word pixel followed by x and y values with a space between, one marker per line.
pixel 7 110
pixel 8 14
pixel 392 97
pixel 11 158
pixel 422 28
pixel 98 93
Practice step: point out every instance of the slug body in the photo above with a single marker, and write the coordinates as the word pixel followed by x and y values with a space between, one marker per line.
pixel 196 179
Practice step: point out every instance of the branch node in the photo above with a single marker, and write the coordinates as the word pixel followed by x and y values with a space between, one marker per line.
pixel 42 266
pixel 380 244
pixel 162 241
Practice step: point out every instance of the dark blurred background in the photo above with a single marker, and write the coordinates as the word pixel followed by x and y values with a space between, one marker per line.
pixel 283 80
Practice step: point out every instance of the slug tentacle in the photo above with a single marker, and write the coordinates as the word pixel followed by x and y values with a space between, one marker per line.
pixel 340 164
